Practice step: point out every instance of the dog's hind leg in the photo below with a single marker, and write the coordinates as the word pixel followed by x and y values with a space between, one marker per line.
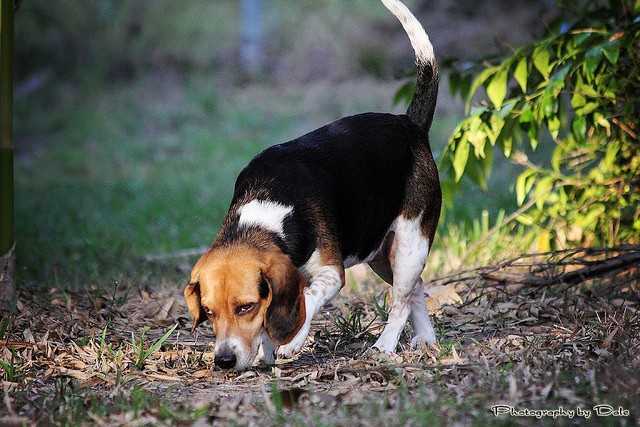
pixel 407 257
pixel 422 328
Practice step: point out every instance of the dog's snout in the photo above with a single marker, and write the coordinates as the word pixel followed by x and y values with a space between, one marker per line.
pixel 225 360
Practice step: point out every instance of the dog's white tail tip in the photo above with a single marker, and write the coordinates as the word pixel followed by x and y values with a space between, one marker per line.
pixel 417 35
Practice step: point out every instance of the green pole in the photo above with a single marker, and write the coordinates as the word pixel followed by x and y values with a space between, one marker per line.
pixel 7 238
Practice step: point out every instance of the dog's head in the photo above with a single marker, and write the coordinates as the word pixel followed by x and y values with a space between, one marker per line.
pixel 245 292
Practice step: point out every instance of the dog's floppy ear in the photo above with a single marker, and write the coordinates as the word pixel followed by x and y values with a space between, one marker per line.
pixel 286 312
pixel 192 295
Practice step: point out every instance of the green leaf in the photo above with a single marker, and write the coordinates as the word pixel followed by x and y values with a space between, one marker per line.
pixel 144 355
pixel 507 146
pixel 505 140
pixel 525 220
pixel 161 341
pixel 526 116
pixel 542 190
pixel 493 131
pixel 588 108
pixel 524 182
pixel 506 109
pixel 602 121
pixel 548 106
pixel 454 82
pixel 611 51
pixel 579 127
pixel 559 78
pixel 541 61
pixel 613 147
pixel 487 165
pixel 577 100
pixel 553 124
pixel 476 135
pixel 579 38
pixel 521 74
pixel 591 61
pixel 479 168
pixel 460 157
pixel 497 88
pixel 465 86
pixel 591 217
pixel 587 89
pixel 479 81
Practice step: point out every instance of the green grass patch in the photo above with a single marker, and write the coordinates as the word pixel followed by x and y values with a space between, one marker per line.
pixel 124 178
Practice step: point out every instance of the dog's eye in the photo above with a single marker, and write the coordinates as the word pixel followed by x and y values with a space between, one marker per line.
pixel 244 308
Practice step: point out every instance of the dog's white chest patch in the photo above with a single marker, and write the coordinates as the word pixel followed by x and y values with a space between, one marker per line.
pixel 264 214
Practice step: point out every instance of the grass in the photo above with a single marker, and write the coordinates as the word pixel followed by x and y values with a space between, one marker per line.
pixel 141 354
pixel 73 404
pixel 112 195
pixel 11 371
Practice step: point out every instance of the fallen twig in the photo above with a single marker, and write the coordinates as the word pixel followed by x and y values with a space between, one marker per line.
pixel 570 266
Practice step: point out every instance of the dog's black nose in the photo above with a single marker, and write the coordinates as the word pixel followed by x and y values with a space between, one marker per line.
pixel 225 360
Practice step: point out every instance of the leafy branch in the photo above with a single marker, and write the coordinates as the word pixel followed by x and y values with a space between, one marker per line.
pixel 576 91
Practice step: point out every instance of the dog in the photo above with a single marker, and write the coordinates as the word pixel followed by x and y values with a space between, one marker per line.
pixel 363 189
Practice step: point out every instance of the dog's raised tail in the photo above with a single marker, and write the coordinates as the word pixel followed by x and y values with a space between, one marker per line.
pixel 424 98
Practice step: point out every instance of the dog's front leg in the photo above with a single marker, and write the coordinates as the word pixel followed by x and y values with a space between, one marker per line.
pixel 267 352
pixel 326 282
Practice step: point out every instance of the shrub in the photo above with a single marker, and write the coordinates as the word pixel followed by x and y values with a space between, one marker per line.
pixel 577 89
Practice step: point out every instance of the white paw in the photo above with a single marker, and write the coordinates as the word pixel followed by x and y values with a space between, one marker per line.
pixel 424 332
pixel 386 344
pixel 287 351
pixel 420 341
pixel 293 347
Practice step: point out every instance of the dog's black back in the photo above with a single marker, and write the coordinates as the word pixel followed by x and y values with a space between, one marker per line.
pixel 352 174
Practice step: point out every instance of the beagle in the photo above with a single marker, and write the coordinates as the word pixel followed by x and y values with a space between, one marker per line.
pixel 364 188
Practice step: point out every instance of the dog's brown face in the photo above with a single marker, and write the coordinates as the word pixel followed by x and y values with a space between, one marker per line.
pixel 245 292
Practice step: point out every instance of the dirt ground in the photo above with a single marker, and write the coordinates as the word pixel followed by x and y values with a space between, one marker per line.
pixel 535 333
